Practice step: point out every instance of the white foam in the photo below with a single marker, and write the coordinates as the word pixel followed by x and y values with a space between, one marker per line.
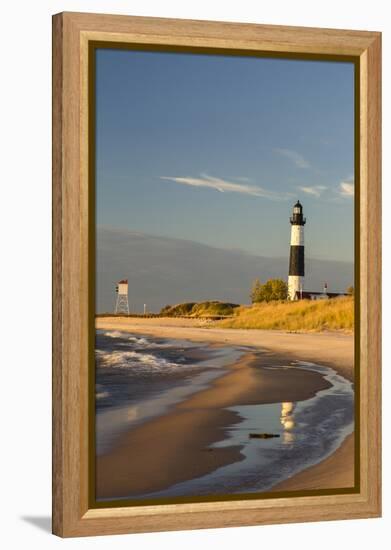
pixel 140 342
pixel 134 359
pixel 115 334
pixel 102 394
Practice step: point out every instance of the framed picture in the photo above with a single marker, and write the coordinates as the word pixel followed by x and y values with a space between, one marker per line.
pixel 216 230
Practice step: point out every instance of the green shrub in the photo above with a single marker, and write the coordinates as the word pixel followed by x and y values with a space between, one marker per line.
pixel 273 289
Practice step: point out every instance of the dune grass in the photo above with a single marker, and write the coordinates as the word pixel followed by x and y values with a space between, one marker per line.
pixel 203 309
pixel 178 310
pixel 305 315
pixel 200 310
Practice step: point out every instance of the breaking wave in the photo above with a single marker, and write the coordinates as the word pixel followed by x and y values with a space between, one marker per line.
pixel 144 362
pixel 136 341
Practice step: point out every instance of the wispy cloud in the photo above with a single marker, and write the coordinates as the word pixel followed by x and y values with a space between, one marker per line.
pixel 225 186
pixel 315 190
pixel 297 159
pixel 346 189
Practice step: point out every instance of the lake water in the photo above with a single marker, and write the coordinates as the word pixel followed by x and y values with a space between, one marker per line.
pixel 141 377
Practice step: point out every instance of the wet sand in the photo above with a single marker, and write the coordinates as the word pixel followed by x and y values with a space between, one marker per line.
pixel 173 447
pixel 335 472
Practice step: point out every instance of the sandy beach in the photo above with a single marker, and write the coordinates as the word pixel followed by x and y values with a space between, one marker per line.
pixel 135 467
pixel 335 349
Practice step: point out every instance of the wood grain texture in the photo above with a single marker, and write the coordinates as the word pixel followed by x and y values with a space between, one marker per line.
pixel 57 462
pixel 370 269
pixel 71 35
pixel 222 35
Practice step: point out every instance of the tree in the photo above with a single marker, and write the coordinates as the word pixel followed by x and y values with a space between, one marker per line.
pixel 273 289
pixel 350 290
pixel 256 291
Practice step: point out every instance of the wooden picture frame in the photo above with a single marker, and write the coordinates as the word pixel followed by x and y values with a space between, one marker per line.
pixel 73 294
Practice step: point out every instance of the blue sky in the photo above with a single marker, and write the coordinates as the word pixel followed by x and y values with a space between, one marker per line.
pixel 216 149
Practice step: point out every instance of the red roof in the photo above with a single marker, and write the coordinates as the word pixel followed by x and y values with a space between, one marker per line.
pixel 123 282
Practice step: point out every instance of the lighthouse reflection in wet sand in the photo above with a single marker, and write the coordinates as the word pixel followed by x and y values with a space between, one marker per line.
pixel 296 259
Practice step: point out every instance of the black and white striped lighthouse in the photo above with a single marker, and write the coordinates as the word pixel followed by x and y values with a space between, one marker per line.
pixel 296 259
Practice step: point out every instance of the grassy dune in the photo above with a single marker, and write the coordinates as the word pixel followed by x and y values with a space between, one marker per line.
pixel 200 310
pixel 306 315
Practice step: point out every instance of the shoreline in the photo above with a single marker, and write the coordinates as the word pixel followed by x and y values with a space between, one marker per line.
pixel 320 476
pixel 193 424
pixel 332 349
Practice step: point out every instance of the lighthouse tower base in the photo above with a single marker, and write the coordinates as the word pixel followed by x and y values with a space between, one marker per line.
pixel 295 285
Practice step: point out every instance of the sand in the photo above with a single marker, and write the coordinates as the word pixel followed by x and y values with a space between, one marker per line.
pixel 183 435
pixel 333 349
pixel 335 472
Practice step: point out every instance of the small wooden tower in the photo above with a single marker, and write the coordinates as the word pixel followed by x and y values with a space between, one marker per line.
pixel 122 302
